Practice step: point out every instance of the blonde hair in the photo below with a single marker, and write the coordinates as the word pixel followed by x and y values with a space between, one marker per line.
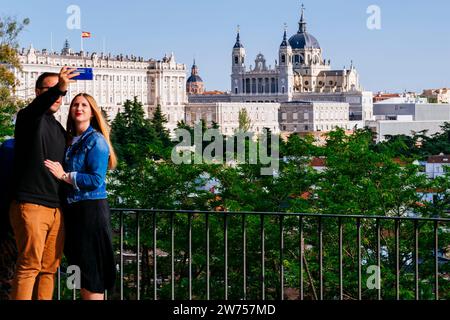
pixel 98 122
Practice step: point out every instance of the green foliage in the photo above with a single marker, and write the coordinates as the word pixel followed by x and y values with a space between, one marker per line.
pixel 10 29
pixel 419 145
pixel 244 121
pixel 159 122
pixel 133 136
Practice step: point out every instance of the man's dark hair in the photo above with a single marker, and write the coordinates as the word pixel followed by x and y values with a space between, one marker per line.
pixel 42 77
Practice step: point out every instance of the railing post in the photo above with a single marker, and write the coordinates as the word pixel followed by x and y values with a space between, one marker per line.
pixel 281 258
pixel 262 234
pixel 172 256
pixel 320 259
pixel 341 275
pixel 397 260
pixel 358 226
pixel 436 260
pixel 121 254
pixel 379 257
pixel 300 227
pixel 225 238
pixel 138 261
pixel 416 260
pixel 155 270
pixel 58 283
pixel 244 257
pixel 207 258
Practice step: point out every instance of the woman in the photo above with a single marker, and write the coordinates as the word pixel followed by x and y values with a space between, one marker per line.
pixel 87 218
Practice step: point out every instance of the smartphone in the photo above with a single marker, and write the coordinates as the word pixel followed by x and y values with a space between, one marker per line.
pixel 85 74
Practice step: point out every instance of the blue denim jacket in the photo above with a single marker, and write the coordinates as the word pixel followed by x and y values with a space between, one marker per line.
pixel 87 159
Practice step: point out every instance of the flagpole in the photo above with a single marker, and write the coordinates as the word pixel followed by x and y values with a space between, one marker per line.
pixel 51 42
pixel 81 41
pixel 104 45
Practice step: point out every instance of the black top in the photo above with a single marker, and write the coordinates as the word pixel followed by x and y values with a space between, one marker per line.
pixel 39 136
pixel 6 165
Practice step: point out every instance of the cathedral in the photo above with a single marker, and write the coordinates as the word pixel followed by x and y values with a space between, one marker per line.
pixel 300 69
pixel 194 84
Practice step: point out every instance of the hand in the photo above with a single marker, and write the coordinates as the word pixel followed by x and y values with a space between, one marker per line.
pixel 55 168
pixel 65 76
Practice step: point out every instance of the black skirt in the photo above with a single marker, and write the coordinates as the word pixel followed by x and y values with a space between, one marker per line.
pixel 88 243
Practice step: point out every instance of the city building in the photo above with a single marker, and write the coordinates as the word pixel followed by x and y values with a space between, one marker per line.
pixel 116 79
pixel 437 95
pixel 301 116
pixel 226 115
pixel 408 118
pixel 381 96
pixel 409 97
pixel 434 167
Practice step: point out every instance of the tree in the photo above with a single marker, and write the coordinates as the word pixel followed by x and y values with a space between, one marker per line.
pixel 244 121
pixel 133 135
pixel 159 122
pixel 9 31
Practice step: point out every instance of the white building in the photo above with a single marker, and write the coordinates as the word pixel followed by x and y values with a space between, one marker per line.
pixel 226 115
pixel 441 95
pixel 434 167
pixel 407 118
pixel 302 117
pixel 116 79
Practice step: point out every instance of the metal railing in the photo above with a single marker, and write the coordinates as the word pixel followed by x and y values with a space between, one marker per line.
pixel 290 247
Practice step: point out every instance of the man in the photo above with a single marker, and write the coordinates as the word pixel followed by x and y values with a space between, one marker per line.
pixel 8 250
pixel 35 213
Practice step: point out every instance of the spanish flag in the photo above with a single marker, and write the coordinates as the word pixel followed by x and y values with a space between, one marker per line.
pixel 85 34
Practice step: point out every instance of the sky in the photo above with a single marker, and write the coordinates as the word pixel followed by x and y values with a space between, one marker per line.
pixel 409 52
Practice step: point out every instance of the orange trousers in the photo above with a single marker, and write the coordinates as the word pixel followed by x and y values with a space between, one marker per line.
pixel 39 234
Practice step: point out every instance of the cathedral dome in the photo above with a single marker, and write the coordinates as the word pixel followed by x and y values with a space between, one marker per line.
pixel 303 40
pixel 194 78
pixel 194 84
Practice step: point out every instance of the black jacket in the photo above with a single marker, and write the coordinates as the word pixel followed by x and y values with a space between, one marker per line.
pixel 6 167
pixel 39 136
